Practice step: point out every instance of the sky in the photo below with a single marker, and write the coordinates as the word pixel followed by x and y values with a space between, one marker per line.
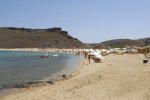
pixel 91 21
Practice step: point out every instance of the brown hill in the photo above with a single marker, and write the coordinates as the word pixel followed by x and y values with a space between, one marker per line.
pixel 120 43
pixel 11 37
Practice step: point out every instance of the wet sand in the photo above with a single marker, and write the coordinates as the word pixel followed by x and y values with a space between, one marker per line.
pixel 121 77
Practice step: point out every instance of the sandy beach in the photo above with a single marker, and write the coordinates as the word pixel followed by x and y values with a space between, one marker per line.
pixel 121 77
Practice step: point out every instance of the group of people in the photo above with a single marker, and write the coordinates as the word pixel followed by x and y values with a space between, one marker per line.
pixel 87 55
pixel 95 58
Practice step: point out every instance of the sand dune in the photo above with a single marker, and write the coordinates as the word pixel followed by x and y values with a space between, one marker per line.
pixel 121 77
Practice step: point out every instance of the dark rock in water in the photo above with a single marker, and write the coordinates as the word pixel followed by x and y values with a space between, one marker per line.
pixel 31 83
pixel 51 82
pixel 20 86
pixel 28 84
pixel 64 76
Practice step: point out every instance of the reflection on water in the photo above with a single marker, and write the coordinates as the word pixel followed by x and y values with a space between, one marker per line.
pixel 23 67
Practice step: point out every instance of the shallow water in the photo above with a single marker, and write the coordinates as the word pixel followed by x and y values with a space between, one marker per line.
pixel 18 67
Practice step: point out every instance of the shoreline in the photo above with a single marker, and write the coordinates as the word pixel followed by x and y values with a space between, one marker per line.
pixel 40 83
pixel 65 50
pixel 15 90
pixel 121 77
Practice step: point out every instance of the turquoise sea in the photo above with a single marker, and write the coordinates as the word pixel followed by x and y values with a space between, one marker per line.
pixel 19 67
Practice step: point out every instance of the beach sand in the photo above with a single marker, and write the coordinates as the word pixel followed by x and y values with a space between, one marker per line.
pixel 121 77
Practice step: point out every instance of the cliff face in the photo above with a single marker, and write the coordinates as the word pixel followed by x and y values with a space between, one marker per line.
pixel 11 37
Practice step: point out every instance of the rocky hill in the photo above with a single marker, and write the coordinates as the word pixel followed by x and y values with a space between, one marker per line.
pixel 11 37
pixel 120 43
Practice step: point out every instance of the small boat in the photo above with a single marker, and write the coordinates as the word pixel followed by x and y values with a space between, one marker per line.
pixel 44 56
pixel 54 55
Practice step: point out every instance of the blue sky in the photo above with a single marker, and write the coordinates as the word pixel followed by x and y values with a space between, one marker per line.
pixel 90 21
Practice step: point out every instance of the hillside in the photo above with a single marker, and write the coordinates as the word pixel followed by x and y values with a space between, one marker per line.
pixel 120 43
pixel 11 37
pixel 145 40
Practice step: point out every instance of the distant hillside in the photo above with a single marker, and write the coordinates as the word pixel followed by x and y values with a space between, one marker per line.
pixel 145 40
pixel 120 43
pixel 11 37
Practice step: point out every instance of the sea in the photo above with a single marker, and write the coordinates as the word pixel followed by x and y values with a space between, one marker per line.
pixel 22 67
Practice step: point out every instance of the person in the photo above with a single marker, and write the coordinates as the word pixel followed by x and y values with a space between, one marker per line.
pixel 149 55
pixel 89 57
pixel 85 54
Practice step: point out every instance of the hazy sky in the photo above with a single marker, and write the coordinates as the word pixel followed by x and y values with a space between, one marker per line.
pixel 87 20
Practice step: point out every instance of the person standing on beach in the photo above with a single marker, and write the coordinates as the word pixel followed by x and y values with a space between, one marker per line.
pixel 89 57
pixel 149 55
pixel 85 54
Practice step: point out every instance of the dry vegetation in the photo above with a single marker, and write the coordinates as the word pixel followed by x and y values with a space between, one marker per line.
pixel 37 38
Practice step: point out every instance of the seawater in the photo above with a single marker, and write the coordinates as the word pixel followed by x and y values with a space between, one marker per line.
pixel 20 67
